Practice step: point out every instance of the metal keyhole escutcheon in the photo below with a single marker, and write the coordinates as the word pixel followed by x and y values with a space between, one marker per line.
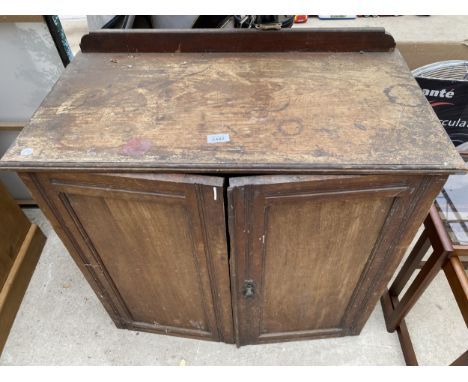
pixel 249 289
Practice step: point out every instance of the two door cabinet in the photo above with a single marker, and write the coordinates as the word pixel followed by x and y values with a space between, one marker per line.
pixel 258 258
pixel 244 187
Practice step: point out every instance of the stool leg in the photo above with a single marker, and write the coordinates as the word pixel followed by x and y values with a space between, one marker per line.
pixel 388 304
pixel 395 310
pixel 458 281
pixel 416 289
pixel 411 264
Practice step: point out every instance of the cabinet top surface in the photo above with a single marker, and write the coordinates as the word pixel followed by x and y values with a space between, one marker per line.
pixel 236 112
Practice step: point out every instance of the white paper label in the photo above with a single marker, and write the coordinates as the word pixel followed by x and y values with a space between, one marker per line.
pixel 27 151
pixel 217 138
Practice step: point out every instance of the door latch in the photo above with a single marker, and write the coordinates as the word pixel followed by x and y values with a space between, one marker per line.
pixel 249 289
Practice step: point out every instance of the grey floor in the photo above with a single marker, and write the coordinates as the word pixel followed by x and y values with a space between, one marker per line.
pixel 61 322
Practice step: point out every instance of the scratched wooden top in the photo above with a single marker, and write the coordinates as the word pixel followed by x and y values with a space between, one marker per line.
pixel 308 112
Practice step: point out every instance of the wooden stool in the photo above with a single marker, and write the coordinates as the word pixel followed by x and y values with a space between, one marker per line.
pixel 446 231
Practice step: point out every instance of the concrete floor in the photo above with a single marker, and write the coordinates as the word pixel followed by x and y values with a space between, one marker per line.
pixel 61 322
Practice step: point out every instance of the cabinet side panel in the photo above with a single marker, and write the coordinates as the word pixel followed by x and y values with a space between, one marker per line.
pixel 47 207
pixel 373 283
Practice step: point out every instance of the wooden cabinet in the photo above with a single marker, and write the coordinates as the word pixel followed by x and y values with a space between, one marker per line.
pixel 309 254
pixel 221 195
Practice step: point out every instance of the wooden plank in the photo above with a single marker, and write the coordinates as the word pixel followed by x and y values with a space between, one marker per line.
pixel 14 226
pixel 239 40
pixel 20 246
pixel 18 279
pixel 420 53
pixel 21 19
pixel 303 112
pixel 12 125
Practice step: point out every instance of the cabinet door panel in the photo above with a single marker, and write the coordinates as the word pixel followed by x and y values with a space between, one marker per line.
pixel 304 248
pixel 149 243
pixel 323 247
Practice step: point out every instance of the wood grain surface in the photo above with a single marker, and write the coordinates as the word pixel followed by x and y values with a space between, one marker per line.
pixel 21 245
pixel 14 226
pixel 318 250
pixel 20 273
pixel 238 40
pixel 154 247
pixel 283 111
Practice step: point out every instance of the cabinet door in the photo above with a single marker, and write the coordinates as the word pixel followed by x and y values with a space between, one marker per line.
pixel 311 255
pixel 152 246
